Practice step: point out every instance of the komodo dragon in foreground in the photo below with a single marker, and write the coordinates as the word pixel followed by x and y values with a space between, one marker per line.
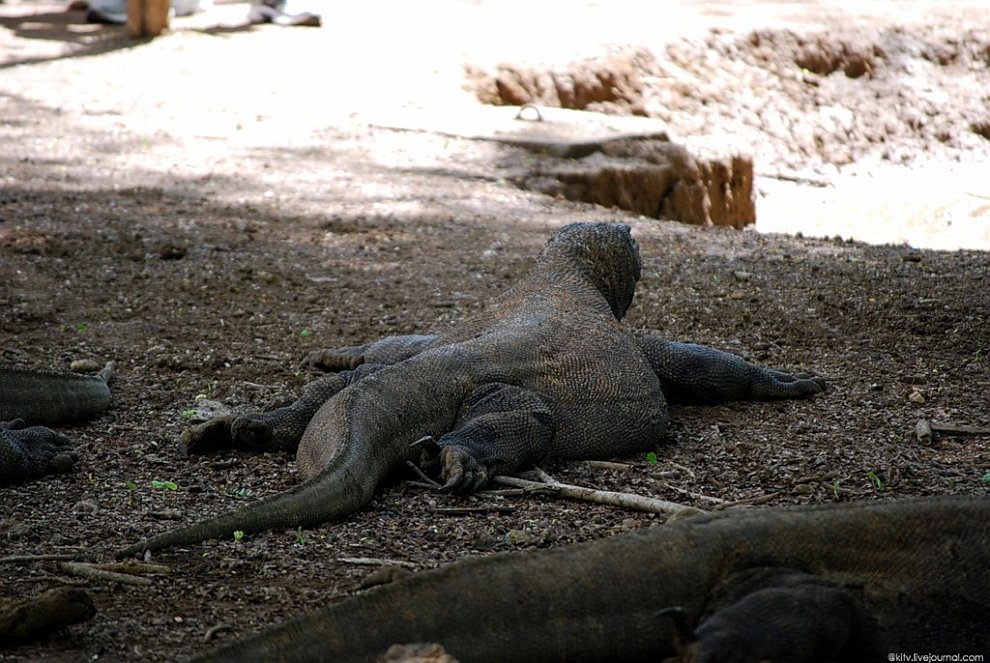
pixel 838 582
pixel 546 370
pixel 31 400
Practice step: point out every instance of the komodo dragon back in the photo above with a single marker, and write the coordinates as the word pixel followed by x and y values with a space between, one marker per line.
pixel 917 568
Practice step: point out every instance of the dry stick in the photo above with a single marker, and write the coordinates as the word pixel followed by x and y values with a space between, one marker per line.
pixel 421 474
pixel 606 465
pixel 607 497
pixel 959 429
pixel 94 573
pixel 56 557
pixel 458 510
pixel 691 493
pixel 747 501
pixel 376 561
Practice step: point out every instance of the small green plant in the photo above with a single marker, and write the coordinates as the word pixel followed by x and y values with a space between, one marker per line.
pixel 189 413
pixel 131 486
pixel 158 484
pixel 651 458
pixel 80 327
pixel 986 478
pixel 305 333
pixel 243 493
pixel 238 534
pixel 300 537
pixel 837 488
pixel 877 482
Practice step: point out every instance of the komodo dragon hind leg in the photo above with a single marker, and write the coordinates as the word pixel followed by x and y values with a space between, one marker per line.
pixel 273 430
pixel 696 375
pixel 388 350
pixel 499 428
pixel 27 453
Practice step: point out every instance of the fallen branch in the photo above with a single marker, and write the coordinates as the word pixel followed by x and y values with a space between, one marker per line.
pixel 55 557
pixel 691 493
pixel 376 561
pixel 748 501
pixel 606 465
pixel 959 429
pixel 607 497
pixel 93 572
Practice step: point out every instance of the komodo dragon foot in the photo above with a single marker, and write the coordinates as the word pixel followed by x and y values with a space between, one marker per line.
pixel 774 614
pixel 29 452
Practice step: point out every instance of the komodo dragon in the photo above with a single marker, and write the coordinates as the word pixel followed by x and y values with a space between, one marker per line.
pixel 839 582
pixel 31 400
pixel 546 370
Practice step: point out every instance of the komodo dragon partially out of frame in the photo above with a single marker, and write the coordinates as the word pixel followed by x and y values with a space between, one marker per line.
pixel 827 583
pixel 546 370
pixel 31 400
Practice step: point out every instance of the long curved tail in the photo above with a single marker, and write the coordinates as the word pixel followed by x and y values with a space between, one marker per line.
pixel 334 493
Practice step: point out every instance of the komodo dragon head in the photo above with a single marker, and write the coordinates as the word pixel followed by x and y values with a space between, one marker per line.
pixel 603 254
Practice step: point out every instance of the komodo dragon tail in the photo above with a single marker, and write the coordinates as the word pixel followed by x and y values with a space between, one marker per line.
pixel 42 398
pixel 337 491
pixel 918 567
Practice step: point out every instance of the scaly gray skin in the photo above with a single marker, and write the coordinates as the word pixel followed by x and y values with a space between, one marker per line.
pixel 546 370
pixel 31 400
pixel 840 582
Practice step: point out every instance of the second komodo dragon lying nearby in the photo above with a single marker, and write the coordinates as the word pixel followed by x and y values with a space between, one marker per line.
pixel 866 581
pixel 31 400
pixel 546 370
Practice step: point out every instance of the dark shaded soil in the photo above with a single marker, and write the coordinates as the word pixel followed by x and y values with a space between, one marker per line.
pixel 207 243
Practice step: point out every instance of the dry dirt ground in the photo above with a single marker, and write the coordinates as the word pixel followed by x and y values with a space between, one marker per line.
pixel 207 207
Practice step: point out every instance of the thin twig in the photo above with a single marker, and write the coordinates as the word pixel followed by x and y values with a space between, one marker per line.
pixel 610 498
pixel 459 510
pixel 748 501
pixel 422 475
pixel 606 465
pixel 376 561
pixel 56 557
pixel 691 493
pixel 683 468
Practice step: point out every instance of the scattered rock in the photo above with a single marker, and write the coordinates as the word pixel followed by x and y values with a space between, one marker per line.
pixel 416 653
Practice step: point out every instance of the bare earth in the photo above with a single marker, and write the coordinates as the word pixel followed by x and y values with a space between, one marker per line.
pixel 207 207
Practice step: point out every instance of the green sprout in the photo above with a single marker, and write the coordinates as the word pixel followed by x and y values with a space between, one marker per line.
pixel 238 534
pixel 651 458
pixel 158 484
pixel 875 480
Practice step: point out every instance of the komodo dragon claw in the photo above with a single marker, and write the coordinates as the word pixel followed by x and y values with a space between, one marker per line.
pixel 462 471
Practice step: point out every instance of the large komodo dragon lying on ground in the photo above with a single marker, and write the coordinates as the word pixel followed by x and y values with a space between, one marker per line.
pixel 547 369
pixel 31 400
pixel 840 582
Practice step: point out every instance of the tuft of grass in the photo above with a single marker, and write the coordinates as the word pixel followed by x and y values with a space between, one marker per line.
pixel 877 482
